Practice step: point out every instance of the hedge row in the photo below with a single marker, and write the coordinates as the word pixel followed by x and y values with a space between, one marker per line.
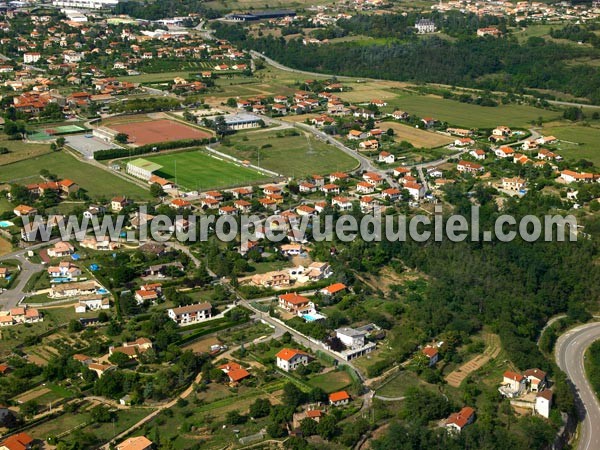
pixel 149 148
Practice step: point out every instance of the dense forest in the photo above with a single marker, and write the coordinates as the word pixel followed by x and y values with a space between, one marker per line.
pixel 495 64
pixel 512 287
pixel 164 8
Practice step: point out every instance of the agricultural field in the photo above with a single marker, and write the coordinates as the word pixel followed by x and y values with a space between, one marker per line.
pixel 418 138
pixel 576 141
pixel 469 115
pixel 288 155
pixel 19 150
pixel 197 170
pixel 97 182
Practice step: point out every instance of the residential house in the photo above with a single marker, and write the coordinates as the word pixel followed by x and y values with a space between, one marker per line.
pixel 19 441
pixel 187 315
pixel 356 135
pixel 272 279
pixel 432 354
pixel 364 188
pixel 513 184
pixel 391 194
pixel 289 359
pixel 469 167
pixel 543 403
pixel 536 378
pixel 342 203
pixel 293 302
pixel 504 152
pixel 371 144
pixel 415 190
pixel 457 421
pixel 478 154
pixel 570 176
pixel 339 398
pixel 61 249
pixel 333 289
pixel 136 443
pixel 234 371
pixel 24 210
pixel 118 203
pixel 386 157
pixel 400 115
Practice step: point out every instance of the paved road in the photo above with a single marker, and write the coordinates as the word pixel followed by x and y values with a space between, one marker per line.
pixel 569 354
pixel 10 298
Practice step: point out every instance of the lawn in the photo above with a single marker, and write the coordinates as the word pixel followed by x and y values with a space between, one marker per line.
pixel 469 115
pixel 197 170
pixel 331 381
pixel 583 142
pixel 97 182
pixel 19 150
pixel 294 156
pixel 397 385
pixel 418 138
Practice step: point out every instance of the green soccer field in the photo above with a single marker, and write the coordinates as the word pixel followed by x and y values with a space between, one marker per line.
pixel 196 170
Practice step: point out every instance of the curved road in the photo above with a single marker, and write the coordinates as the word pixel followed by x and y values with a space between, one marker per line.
pixel 569 353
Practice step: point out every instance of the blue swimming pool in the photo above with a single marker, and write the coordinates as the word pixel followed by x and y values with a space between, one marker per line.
pixel 312 317
pixel 101 291
pixel 6 223
pixel 61 280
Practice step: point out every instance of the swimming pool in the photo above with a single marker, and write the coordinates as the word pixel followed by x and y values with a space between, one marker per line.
pixel 101 291
pixel 6 223
pixel 313 317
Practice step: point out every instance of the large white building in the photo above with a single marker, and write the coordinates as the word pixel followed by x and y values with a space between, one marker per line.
pixel 142 168
pixel 86 4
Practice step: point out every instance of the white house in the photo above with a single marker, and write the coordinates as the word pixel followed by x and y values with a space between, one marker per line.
pixel 289 359
pixel 350 337
pixel 543 403
pixel 457 421
pixel 187 315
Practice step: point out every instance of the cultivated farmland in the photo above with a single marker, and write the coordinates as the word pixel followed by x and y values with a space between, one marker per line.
pixel 418 138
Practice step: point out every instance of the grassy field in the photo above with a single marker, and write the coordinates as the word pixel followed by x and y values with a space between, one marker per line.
pixel 156 77
pixel 399 383
pixel 468 115
pixel 198 170
pixel 5 246
pixel 19 150
pixel 290 155
pixel 418 138
pixel 331 381
pixel 584 142
pixel 97 182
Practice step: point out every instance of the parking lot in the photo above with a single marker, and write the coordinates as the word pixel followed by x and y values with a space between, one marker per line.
pixel 87 146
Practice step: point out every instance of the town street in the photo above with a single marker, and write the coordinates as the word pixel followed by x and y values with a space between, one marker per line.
pixel 10 298
pixel 570 354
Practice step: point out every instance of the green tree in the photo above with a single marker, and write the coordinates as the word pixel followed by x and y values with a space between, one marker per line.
pixel 122 138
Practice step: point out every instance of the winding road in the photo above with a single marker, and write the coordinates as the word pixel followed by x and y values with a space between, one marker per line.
pixel 570 354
